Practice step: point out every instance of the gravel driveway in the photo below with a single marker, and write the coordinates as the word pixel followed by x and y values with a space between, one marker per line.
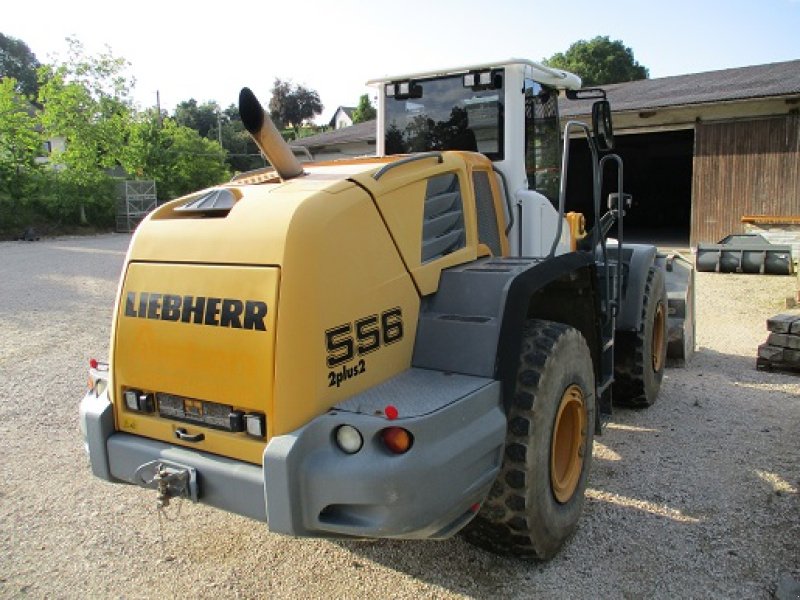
pixel 694 497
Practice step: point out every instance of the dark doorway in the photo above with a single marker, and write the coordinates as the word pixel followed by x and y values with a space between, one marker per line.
pixel 658 174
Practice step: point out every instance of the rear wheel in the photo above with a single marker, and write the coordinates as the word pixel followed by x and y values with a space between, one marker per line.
pixel 640 357
pixel 535 504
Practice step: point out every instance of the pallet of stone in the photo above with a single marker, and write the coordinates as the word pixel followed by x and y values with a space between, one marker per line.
pixel 782 349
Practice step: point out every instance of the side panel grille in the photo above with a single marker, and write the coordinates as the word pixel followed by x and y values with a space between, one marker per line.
pixel 443 225
pixel 488 232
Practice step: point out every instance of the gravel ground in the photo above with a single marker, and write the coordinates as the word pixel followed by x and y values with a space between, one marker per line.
pixel 694 497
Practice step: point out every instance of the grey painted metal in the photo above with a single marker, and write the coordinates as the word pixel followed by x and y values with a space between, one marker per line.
pixel 638 258
pixel 745 253
pixel 443 226
pixel 459 326
pixel 224 483
pixel 488 229
pixel 416 391
pixel 314 488
pixel 97 423
pixel 310 487
pixel 681 321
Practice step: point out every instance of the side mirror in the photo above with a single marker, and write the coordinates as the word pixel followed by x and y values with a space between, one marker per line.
pixel 601 124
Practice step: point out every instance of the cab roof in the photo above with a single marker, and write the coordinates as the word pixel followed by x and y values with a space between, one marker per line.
pixel 544 74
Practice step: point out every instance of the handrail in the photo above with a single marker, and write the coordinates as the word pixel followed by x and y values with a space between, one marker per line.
pixel 562 189
pixel 620 214
pixel 404 161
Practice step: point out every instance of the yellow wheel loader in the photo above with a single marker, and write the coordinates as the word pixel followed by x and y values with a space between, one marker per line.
pixel 400 346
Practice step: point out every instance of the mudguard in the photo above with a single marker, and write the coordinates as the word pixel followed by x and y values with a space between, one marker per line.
pixel 680 310
pixel 679 279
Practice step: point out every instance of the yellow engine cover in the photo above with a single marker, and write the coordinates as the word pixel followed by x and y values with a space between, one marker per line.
pixel 200 332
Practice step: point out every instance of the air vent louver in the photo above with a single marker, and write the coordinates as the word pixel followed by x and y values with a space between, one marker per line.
pixel 217 200
pixel 443 226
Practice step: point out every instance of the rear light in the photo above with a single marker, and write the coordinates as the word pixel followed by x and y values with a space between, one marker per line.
pixel 349 439
pixel 100 386
pixel 138 401
pixel 397 440
pixel 255 424
pixel 98 377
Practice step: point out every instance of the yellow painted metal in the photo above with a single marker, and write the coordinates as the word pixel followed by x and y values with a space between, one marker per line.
pixel 315 249
pixel 400 195
pixel 577 228
pixel 226 365
pixel 567 446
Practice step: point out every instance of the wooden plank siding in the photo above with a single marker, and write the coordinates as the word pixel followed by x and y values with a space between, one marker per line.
pixel 742 168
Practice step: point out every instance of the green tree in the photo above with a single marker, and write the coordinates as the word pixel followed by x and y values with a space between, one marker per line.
pixel 86 102
pixel 291 105
pixel 20 144
pixel 17 61
pixel 364 111
pixel 177 157
pixel 241 151
pixel 189 162
pixel 599 61
pixel 200 117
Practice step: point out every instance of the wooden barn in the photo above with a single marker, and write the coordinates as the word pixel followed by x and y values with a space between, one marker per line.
pixel 703 151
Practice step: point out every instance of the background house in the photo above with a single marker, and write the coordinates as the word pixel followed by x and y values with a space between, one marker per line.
pixel 343 117
pixel 355 140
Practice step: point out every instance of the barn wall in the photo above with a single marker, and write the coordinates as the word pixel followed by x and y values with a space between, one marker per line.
pixel 741 168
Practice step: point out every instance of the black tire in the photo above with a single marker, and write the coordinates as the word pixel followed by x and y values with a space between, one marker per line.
pixel 640 357
pixel 523 514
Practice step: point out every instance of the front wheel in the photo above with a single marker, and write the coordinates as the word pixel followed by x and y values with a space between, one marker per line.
pixel 536 501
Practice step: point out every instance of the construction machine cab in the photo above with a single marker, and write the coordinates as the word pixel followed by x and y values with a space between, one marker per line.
pixel 507 111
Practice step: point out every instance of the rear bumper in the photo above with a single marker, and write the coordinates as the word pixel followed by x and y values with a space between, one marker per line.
pixel 308 487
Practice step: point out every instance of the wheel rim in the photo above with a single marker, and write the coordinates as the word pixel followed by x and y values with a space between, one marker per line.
pixel 658 338
pixel 569 437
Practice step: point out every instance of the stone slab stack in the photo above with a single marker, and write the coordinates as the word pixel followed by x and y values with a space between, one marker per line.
pixel 781 351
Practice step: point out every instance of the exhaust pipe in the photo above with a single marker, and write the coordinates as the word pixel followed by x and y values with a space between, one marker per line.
pixel 266 135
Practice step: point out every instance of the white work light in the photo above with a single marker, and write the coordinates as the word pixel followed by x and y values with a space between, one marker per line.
pixel 132 399
pixel 255 424
pixel 349 439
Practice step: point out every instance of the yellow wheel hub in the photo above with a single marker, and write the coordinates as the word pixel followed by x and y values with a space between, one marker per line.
pixel 566 451
pixel 658 337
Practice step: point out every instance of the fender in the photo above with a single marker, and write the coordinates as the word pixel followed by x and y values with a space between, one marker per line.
pixel 473 324
pixel 637 260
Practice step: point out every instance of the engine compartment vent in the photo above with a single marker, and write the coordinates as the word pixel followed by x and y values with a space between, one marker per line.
pixel 443 226
pixel 215 202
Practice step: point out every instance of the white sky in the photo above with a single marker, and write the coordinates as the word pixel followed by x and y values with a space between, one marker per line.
pixel 208 51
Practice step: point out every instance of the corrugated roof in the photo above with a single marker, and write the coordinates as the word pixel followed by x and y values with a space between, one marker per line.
pixel 742 83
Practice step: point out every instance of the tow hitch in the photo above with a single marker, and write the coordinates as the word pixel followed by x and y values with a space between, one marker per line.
pixel 170 480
